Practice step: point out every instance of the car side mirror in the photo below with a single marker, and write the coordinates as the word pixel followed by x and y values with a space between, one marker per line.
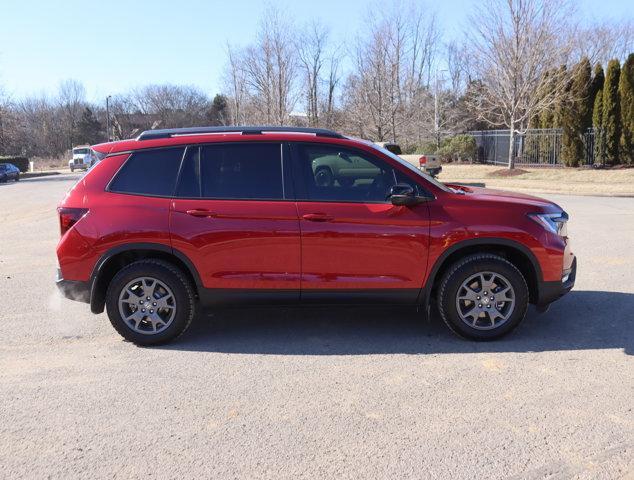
pixel 403 194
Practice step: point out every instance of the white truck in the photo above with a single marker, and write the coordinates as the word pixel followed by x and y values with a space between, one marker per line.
pixel 82 159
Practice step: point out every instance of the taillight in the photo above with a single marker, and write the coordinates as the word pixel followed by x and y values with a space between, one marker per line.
pixel 422 160
pixel 69 217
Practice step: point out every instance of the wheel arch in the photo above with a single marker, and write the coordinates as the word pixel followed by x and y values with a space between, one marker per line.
pixel 117 257
pixel 518 254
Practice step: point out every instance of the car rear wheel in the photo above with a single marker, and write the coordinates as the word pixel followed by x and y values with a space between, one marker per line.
pixel 483 297
pixel 150 302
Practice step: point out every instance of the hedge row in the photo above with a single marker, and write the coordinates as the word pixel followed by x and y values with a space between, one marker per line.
pixel 21 162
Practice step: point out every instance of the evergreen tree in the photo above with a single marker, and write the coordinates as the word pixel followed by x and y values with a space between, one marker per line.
pixel 626 98
pixel 88 128
pixel 611 118
pixel 218 113
pixel 597 124
pixel 560 104
pixel 598 79
pixel 575 113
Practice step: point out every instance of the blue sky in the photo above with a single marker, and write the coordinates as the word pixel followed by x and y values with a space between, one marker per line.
pixel 114 45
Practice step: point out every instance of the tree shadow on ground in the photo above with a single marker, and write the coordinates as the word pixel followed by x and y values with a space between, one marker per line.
pixel 582 320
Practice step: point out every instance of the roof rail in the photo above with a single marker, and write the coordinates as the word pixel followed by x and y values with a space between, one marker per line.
pixel 175 132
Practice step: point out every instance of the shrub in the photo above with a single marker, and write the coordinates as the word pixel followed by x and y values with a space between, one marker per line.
pixel 458 148
pixel 21 162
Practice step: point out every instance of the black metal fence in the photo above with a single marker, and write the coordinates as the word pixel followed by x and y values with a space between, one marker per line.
pixel 535 147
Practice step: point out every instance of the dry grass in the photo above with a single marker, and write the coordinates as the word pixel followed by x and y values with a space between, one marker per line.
pixel 579 181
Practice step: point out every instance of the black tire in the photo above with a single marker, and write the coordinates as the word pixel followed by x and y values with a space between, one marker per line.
pixel 72 169
pixel 17 177
pixel 172 277
pixel 324 177
pixel 452 283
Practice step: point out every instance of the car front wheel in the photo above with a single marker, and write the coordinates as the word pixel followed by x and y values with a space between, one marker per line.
pixel 483 297
pixel 150 302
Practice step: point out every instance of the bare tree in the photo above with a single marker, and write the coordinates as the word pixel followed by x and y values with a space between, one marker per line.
pixel 235 82
pixel 72 100
pixel 332 84
pixel 515 42
pixel 603 41
pixel 270 69
pixel 311 46
pixel 392 69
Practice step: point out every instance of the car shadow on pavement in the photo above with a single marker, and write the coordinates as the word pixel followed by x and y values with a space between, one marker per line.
pixel 583 320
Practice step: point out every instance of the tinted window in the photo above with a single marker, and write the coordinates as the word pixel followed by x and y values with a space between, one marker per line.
pixel 233 171
pixel 149 173
pixel 337 174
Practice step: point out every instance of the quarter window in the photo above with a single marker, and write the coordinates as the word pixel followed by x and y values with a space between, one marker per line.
pixel 151 172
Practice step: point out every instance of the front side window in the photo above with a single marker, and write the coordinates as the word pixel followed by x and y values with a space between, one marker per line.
pixel 239 171
pixel 337 174
pixel 151 172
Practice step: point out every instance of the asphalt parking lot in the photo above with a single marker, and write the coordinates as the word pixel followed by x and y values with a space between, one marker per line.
pixel 316 393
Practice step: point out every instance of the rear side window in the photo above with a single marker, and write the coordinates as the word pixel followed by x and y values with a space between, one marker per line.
pixel 233 171
pixel 151 172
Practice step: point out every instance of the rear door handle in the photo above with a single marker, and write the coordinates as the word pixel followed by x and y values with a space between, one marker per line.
pixel 317 217
pixel 198 212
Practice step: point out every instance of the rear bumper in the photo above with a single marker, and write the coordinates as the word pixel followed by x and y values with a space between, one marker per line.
pixel 551 291
pixel 433 171
pixel 73 289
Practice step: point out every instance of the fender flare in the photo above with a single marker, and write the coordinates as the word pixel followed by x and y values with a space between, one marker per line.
pixel 424 299
pixel 97 298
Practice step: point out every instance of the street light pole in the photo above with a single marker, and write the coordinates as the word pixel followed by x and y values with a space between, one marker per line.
pixel 108 117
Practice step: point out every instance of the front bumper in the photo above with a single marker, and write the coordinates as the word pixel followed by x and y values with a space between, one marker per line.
pixel 551 291
pixel 73 289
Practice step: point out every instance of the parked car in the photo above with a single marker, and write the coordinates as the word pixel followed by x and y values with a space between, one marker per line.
pixel 82 158
pixel 177 220
pixel 8 171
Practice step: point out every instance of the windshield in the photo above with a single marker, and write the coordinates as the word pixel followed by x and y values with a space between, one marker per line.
pixel 80 151
pixel 412 168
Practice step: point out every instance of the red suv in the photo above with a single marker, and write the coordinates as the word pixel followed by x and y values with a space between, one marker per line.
pixel 180 219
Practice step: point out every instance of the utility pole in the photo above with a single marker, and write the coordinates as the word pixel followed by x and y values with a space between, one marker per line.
pixel 108 117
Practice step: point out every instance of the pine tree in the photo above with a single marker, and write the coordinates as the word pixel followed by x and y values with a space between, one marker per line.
pixel 218 113
pixel 597 124
pixel 574 115
pixel 611 121
pixel 626 98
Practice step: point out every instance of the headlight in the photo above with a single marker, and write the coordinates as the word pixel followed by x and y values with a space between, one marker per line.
pixel 553 222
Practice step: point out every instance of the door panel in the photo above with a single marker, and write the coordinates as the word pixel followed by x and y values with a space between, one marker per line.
pixel 235 222
pixel 364 246
pixel 239 244
pixel 355 244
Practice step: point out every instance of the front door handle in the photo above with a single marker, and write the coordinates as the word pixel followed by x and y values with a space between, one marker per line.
pixel 198 212
pixel 317 217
